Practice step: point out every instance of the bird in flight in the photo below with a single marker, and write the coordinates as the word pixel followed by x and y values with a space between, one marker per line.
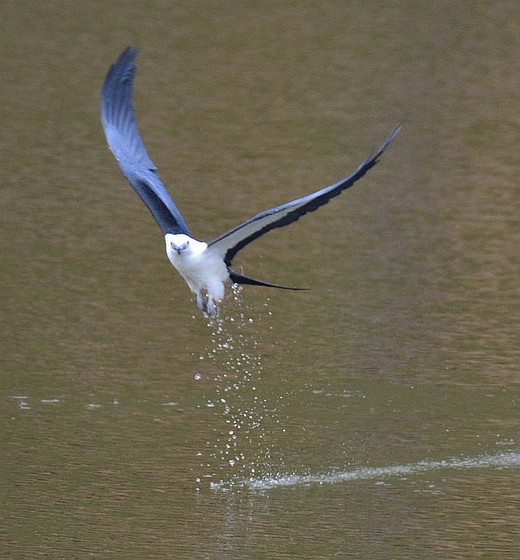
pixel 204 266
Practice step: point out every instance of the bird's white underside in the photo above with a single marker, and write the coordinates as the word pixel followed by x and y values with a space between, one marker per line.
pixel 202 268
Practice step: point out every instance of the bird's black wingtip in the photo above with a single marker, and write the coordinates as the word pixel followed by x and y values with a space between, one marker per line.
pixel 394 133
pixel 124 66
pixel 126 60
pixel 128 53
pixel 374 155
pixel 390 138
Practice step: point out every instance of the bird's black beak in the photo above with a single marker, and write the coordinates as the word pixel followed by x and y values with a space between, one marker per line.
pixel 179 248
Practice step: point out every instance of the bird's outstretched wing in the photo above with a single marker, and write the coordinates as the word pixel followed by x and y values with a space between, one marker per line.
pixel 118 118
pixel 229 244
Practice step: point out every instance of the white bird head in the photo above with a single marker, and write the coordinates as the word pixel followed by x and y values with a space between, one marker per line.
pixel 181 245
pixel 177 243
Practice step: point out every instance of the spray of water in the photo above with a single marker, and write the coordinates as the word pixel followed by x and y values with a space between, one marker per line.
pixel 498 461
pixel 236 366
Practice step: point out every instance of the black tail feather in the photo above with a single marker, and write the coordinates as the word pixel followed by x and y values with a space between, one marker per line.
pixel 237 278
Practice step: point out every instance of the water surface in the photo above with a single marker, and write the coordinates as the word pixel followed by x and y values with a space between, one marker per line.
pixel 373 416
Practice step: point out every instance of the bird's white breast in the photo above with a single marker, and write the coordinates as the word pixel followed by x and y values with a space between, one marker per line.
pixel 201 268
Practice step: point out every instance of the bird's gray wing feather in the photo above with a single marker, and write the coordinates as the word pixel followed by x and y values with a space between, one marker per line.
pixel 119 124
pixel 230 243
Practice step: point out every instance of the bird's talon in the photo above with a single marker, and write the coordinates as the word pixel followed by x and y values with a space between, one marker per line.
pixel 211 309
pixel 200 303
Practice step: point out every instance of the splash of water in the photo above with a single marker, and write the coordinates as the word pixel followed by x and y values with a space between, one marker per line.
pixel 236 365
pixel 498 461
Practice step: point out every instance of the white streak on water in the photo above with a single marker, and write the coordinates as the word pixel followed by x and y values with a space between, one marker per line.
pixel 498 461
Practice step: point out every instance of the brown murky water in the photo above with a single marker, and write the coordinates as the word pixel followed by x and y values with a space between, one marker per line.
pixel 374 416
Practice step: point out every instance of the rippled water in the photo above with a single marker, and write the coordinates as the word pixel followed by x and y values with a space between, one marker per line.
pixel 373 416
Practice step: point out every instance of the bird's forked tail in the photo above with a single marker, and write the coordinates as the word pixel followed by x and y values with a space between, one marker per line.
pixel 237 278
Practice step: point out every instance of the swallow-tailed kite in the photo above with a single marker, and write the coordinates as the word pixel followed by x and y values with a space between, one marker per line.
pixel 204 266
